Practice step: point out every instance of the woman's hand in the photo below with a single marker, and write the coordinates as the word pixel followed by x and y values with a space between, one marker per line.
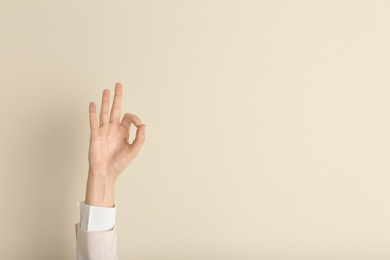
pixel 109 150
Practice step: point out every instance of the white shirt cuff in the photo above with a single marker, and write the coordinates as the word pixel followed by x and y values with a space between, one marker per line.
pixel 96 219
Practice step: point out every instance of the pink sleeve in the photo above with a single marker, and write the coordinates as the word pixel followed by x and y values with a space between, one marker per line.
pixel 96 245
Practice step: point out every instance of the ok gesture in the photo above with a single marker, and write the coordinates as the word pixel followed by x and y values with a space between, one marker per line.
pixel 109 149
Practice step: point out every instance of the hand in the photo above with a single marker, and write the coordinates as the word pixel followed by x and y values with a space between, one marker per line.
pixel 109 150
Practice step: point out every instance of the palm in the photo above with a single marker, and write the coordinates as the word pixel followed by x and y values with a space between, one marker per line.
pixel 109 149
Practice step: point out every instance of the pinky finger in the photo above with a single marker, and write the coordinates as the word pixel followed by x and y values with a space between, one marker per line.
pixel 92 116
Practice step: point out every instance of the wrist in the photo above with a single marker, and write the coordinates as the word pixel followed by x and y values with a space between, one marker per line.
pixel 102 173
pixel 100 190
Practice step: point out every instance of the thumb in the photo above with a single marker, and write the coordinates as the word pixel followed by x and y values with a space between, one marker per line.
pixel 139 139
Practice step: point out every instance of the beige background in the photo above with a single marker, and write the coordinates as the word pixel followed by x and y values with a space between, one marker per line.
pixel 267 126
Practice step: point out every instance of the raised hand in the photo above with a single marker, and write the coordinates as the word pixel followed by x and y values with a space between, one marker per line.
pixel 109 150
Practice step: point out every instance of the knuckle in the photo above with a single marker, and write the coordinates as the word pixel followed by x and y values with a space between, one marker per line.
pixel 116 106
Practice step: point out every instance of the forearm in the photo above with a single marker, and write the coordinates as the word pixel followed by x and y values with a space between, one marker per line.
pixel 100 190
